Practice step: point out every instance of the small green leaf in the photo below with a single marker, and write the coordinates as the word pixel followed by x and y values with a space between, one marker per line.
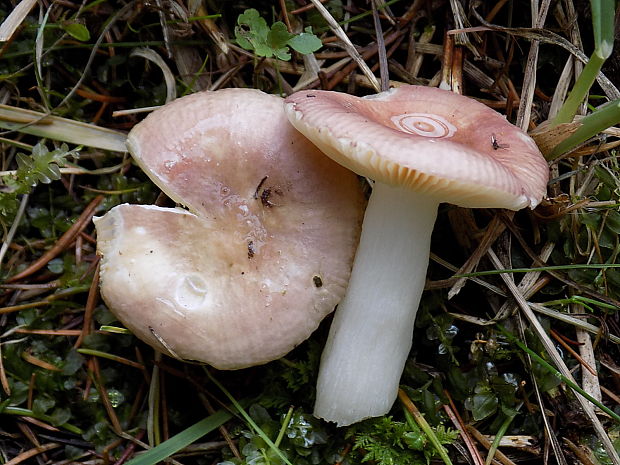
pixel 415 440
pixel 262 49
pixel 251 32
pixel 72 363
pixel 56 265
pixel 76 30
pixel 242 39
pixel 606 177
pixel 60 416
pixel 278 36
pixel 42 405
pixel 305 43
pixel 282 54
pixel 252 19
pixel 613 221
pixel 482 404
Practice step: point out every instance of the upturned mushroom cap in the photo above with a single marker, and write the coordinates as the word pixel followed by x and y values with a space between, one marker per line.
pixel 264 252
pixel 429 140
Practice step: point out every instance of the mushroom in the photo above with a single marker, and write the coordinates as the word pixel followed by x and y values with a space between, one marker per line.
pixel 422 146
pixel 264 251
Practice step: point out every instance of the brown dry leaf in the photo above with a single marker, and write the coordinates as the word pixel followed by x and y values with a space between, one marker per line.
pixel 548 137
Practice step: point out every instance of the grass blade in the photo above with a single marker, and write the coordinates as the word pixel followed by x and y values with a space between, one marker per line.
pixel 14 20
pixel 23 412
pixel 57 128
pixel 584 266
pixel 549 347
pixel 247 418
pixel 498 437
pixel 580 90
pixel 183 439
pixel 414 416
pixel 603 15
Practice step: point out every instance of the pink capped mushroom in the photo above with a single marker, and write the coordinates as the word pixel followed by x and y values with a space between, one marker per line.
pixel 263 251
pixel 422 146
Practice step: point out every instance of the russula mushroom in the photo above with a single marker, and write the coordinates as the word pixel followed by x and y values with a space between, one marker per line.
pixel 422 146
pixel 264 250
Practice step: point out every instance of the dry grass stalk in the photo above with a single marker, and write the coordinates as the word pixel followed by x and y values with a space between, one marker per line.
pixel 14 20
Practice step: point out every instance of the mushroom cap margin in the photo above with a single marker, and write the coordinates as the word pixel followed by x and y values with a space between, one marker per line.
pixel 480 159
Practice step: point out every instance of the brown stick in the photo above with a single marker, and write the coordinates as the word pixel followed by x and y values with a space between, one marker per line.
pixel 481 438
pixel 578 357
pixel 457 421
pixel 91 302
pixel 24 456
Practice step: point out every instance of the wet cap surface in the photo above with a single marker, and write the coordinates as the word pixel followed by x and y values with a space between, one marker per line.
pixel 429 140
pixel 265 252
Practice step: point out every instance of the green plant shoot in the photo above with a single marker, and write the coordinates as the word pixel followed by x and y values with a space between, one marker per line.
pixel 603 14
pixel 41 166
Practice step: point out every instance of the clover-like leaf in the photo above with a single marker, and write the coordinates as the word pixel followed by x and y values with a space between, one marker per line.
pixel 253 33
pixel 278 36
pixel 306 42
pixel 483 403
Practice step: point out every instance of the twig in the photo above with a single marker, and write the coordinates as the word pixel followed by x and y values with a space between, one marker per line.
pixel 583 457
pixel 563 343
pixel 91 302
pixel 383 64
pixel 24 456
pixel 493 231
pixel 481 438
pixel 529 81
pixel 336 29
pixel 4 381
pixel 589 380
pixel 287 21
pixel 454 416
pixel 305 8
pixel 549 37
pixel 612 395
pixel 572 321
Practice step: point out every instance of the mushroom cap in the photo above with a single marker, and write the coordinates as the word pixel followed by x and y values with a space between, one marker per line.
pixel 428 140
pixel 265 252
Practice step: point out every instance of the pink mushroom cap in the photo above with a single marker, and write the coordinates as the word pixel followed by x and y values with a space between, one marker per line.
pixel 262 255
pixel 428 140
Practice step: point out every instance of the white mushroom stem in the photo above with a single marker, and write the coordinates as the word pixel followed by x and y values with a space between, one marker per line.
pixel 371 334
